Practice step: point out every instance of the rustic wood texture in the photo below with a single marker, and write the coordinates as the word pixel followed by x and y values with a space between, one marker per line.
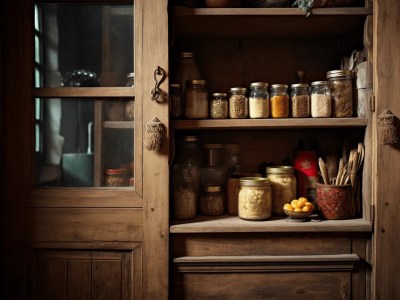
pixel 84 92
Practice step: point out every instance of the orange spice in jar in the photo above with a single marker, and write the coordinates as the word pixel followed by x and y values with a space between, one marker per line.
pixel 279 101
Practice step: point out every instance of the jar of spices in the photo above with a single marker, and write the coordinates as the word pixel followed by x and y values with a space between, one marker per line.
pixel 321 101
pixel 283 185
pixel 117 177
pixel 219 106
pixel 279 101
pixel 212 201
pixel 175 95
pixel 238 103
pixel 183 192
pixel 259 100
pixel 300 99
pixel 340 84
pixel 254 198
pixel 196 99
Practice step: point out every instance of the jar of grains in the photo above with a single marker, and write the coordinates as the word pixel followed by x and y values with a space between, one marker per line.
pixel 219 106
pixel 196 99
pixel 175 95
pixel 184 192
pixel 238 103
pixel 340 84
pixel 300 99
pixel 117 177
pixel 279 101
pixel 212 201
pixel 259 100
pixel 321 101
pixel 283 185
pixel 254 198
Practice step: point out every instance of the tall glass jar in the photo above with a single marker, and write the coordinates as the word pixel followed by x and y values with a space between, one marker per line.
pixel 254 198
pixel 238 103
pixel 219 106
pixel 300 100
pixel 212 201
pixel 259 100
pixel 321 101
pixel 184 192
pixel 186 69
pixel 279 99
pixel 196 99
pixel 283 183
pixel 341 86
pixel 176 101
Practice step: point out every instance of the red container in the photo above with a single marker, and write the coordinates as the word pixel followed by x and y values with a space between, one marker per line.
pixel 334 201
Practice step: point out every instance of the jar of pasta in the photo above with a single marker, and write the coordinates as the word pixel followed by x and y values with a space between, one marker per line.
pixel 283 186
pixel 212 201
pixel 340 84
pixel 321 102
pixel 254 199
pixel 238 103
pixel 300 100
pixel 219 106
pixel 196 99
pixel 259 100
pixel 279 101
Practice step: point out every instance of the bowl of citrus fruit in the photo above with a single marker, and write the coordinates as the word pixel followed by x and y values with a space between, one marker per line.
pixel 299 208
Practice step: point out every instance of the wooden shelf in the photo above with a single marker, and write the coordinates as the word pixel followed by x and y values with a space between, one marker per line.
pixel 119 124
pixel 232 23
pixel 84 92
pixel 228 223
pixel 269 123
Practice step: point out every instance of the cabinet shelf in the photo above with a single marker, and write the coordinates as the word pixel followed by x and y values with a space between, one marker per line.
pixel 118 124
pixel 228 223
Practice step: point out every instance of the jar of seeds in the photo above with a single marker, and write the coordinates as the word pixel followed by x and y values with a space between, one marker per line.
pixel 254 198
pixel 279 101
pixel 321 101
pixel 196 99
pixel 300 100
pixel 238 103
pixel 219 106
pixel 212 201
pixel 259 100
pixel 340 84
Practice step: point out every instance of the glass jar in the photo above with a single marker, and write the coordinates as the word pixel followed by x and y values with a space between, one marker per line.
pixel 130 80
pixel 219 106
pixel 321 101
pixel 117 177
pixel 238 103
pixel 254 200
pixel 186 69
pixel 212 201
pixel 259 100
pixel 300 99
pixel 283 184
pixel 175 95
pixel 196 99
pixel 184 192
pixel 341 86
pixel 279 101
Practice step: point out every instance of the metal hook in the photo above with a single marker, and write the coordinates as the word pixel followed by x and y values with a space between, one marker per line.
pixel 156 92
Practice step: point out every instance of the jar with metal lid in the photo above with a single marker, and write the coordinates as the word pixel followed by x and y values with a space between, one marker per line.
pixel 196 99
pixel 254 198
pixel 238 103
pixel 321 101
pixel 175 95
pixel 259 100
pixel 279 99
pixel 117 177
pixel 341 86
pixel 283 185
pixel 130 80
pixel 219 106
pixel 300 100
pixel 212 201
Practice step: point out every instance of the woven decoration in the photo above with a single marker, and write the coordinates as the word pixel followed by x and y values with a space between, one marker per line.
pixel 153 134
pixel 387 132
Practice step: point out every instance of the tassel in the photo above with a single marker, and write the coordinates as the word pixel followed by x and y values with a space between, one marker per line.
pixel 387 132
pixel 154 135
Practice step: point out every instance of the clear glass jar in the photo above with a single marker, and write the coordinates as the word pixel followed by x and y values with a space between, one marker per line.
pixel 186 69
pixel 259 100
pixel 279 99
pixel 130 80
pixel 254 199
pixel 196 99
pixel 341 86
pixel 117 177
pixel 283 183
pixel 212 201
pixel 219 106
pixel 175 95
pixel 300 100
pixel 238 103
pixel 184 192
pixel 321 101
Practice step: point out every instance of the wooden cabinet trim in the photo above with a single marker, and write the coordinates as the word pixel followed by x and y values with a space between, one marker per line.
pixel 84 92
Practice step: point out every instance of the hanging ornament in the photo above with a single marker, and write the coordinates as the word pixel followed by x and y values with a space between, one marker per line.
pixel 153 134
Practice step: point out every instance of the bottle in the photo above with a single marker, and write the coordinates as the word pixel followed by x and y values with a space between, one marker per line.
pixel 341 86
pixel 213 173
pixel 259 100
pixel 196 105
pixel 300 100
pixel 186 69
pixel 184 192
pixel 279 101
pixel 321 101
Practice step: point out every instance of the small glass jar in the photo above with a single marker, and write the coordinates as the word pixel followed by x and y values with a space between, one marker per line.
pixel 321 101
pixel 212 201
pixel 175 95
pixel 184 192
pixel 254 198
pixel 259 100
pixel 130 80
pixel 196 99
pixel 341 86
pixel 238 103
pixel 283 183
pixel 117 177
pixel 279 101
pixel 219 106
pixel 300 99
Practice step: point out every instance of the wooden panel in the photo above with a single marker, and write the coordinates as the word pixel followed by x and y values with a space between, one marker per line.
pixel 84 92
pixel 107 279
pixel 51 279
pixel 75 224
pixel 79 279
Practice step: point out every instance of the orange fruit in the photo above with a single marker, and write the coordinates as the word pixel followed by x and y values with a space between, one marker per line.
pixel 304 199
pixel 287 206
pixel 309 204
pixel 307 208
pixel 294 203
pixel 298 209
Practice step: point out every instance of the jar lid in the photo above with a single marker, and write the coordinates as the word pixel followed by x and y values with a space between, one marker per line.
pixel 238 90
pixel 315 83
pixel 259 84
pixel 187 54
pixel 299 85
pixel 280 170
pixel 254 181
pixel 196 81
pixel 338 73
pixel 279 86
pixel 213 188
pixel 213 146
pixel 219 95
pixel 118 171
pixel 190 138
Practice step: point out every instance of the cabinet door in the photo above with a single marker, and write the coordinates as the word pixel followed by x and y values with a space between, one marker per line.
pixel 89 201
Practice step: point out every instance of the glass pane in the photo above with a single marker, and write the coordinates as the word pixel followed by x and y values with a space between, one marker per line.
pixel 96 39
pixel 85 142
